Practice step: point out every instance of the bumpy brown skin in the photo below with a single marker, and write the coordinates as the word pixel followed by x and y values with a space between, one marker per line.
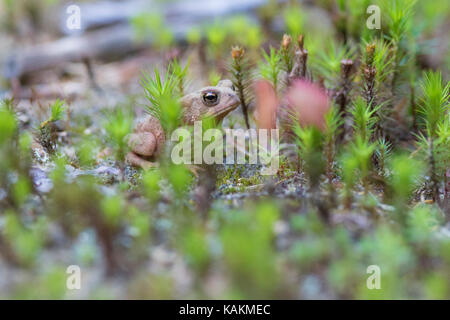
pixel 148 138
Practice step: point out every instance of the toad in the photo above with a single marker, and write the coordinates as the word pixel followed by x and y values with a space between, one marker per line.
pixel 148 138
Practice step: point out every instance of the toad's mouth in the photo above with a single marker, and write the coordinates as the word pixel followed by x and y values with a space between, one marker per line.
pixel 220 112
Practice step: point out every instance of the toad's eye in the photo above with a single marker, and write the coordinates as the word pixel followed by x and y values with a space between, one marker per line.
pixel 210 98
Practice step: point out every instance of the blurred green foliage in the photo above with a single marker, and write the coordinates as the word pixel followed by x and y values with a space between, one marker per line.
pixel 271 66
pixel 118 126
pixel 152 25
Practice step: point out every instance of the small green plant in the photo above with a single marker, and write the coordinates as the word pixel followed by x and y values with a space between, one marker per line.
pixel 357 17
pixel 216 35
pixel 369 74
pixel 244 32
pixel 248 253
pixel 271 67
pixel 241 79
pixel 383 152
pixel 294 19
pixel 342 19
pixel 57 110
pixel 382 61
pixel 214 77
pixel 377 68
pixel 48 129
pixel 333 122
pixel 398 14
pixel 163 103
pixel 155 88
pixel 349 165
pixel 8 123
pixel 435 110
pixel 327 63
pixel 442 152
pixel 364 119
pixel 310 146
pixel 21 242
pixel 286 53
pixel 254 37
pixel 194 36
pixel 405 174
pixel 413 75
pixel 194 244
pixel 179 74
pixel 84 206
pixel 118 126
pixel 435 104
pixel 25 242
pixel 361 151
pixel 152 25
pixel 151 180
pixel 342 96
pixel 86 151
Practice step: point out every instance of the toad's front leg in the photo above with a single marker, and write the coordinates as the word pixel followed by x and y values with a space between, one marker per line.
pixel 143 145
